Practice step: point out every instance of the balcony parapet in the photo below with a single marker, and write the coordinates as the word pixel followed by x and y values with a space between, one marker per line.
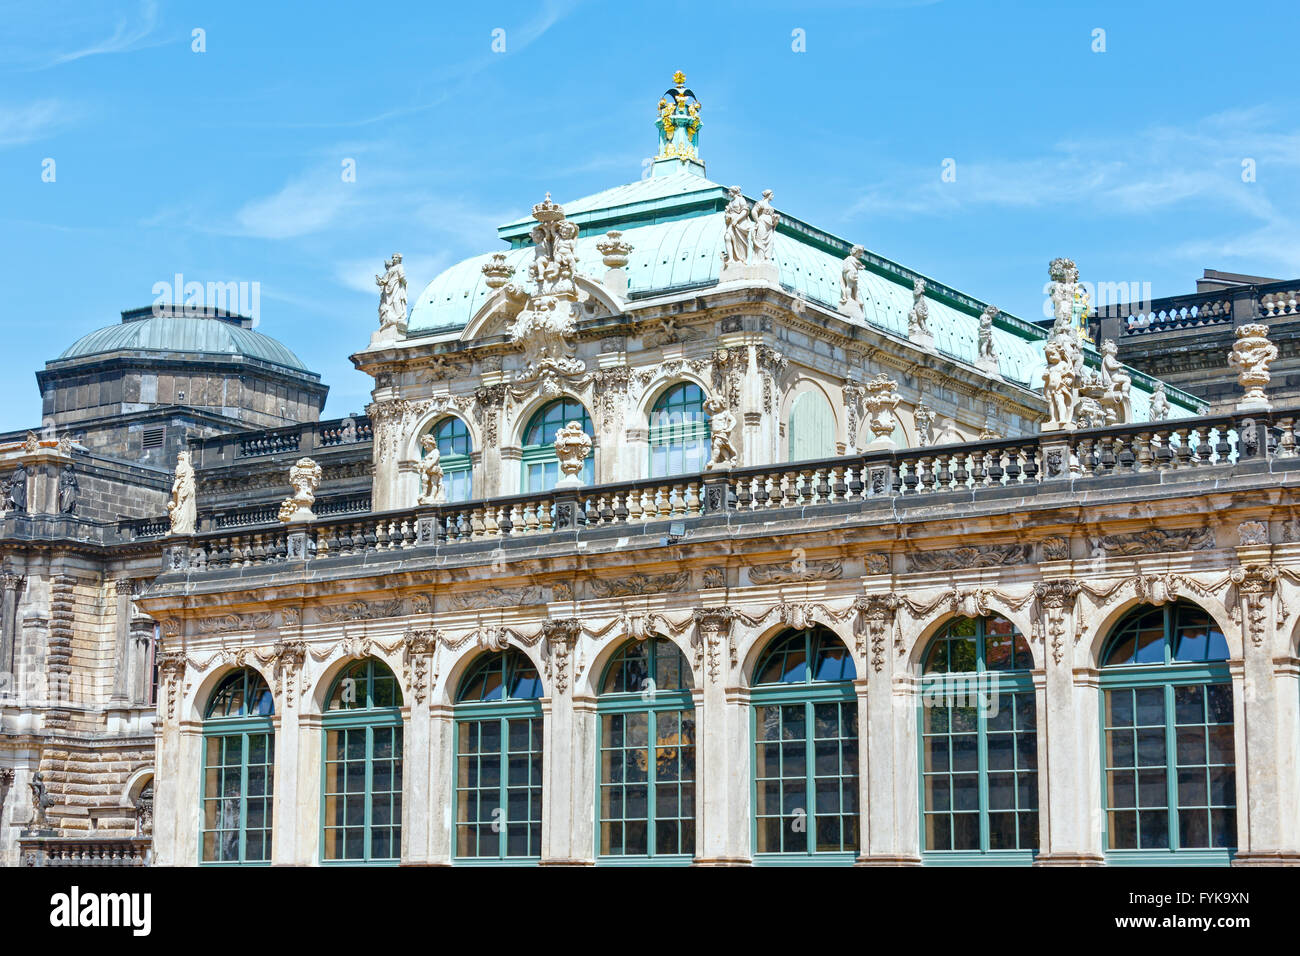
pixel 1180 450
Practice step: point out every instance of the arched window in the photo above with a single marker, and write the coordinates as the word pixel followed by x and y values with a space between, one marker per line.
pixel 679 432
pixel 499 759
pixel 647 753
pixel 979 743
pixel 238 770
pixel 363 766
pixel 541 467
pixel 454 449
pixel 811 431
pixel 805 730
pixel 1167 736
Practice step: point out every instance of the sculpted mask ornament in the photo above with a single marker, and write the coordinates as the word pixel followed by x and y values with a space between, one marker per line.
pixel 304 477
pixel 392 296
pixel 549 317
pixel 572 446
pixel 1250 356
pixel 430 471
pixel 721 424
pixel 850 296
pixel 182 510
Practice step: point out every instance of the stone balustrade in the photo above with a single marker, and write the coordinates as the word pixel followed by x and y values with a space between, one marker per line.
pixel 58 851
pixel 1168 450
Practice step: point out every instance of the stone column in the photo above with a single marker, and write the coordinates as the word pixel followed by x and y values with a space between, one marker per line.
pixel 296 810
pixel 1065 801
pixel 567 725
pixel 489 401
pixel 178 771
pixel 12 584
pixel 881 841
pixel 1286 678
pixel 442 775
pixel 721 743
pixel 421 815
pixel 306 813
pixel 124 588
pixel 1262 766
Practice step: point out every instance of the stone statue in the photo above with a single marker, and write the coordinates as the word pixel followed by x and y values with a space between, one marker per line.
pixel 880 400
pixel 144 812
pixel 392 295
pixel 1159 404
pixel 1251 355
pixel 736 237
pixel 764 232
pixel 430 471
pixel 15 490
pixel 1063 290
pixel 572 446
pixel 721 424
pixel 987 356
pixel 304 476
pixel 41 801
pixel 918 320
pixel 69 488
pixel 1116 384
pixel 31 444
pixel 183 508
pixel 924 418
pixel 850 296
pixel 548 316
pixel 1058 389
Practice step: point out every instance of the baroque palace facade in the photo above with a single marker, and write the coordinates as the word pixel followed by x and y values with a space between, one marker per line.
pixel 681 531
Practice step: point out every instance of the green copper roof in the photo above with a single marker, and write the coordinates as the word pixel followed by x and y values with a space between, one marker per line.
pixel 674 223
pixel 207 336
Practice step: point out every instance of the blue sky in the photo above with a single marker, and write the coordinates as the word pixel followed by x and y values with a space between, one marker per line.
pixel 226 165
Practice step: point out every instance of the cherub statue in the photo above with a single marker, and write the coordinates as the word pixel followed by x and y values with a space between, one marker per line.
pixel 430 471
pixel 721 424
pixel 918 320
pixel 1058 389
pixel 849 270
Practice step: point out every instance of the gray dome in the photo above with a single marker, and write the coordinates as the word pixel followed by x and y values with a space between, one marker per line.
pixel 169 333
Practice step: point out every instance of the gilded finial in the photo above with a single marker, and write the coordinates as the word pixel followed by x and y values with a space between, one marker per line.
pixel 679 78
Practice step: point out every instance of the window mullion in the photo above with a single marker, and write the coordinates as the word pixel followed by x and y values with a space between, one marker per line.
pixel 1171 767
pixel 369 795
pixel 809 757
pixel 242 835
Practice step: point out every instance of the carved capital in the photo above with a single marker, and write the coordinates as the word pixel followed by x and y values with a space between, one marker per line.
pixel 1057 599
pixel 712 631
pixel 561 636
pixel 125 586
pixel 875 616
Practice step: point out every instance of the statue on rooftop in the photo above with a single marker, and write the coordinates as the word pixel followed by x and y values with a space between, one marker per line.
pixel 1158 407
pixel 548 317
pixel 987 356
pixel 1116 384
pixel 721 424
pixel 850 296
pixel 392 295
pixel 736 237
pixel 430 472
pixel 1059 389
pixel 764 230
pixel 918 319
pixel 182 509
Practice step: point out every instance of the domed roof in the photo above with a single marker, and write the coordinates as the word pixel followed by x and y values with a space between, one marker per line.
pixel 179 333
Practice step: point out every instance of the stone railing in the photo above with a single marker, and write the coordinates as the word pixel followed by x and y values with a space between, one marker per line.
pixel 60 851
pixel 305 439
pixel 1232 306
pixel 1143 452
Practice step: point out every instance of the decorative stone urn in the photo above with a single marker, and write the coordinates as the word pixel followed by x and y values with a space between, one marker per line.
pixel 304 476
pixel 1251 355
pixel 572 446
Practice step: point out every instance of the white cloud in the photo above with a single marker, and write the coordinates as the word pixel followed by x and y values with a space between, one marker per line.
pixel 23 124
pixel 127 36
pixel 304 206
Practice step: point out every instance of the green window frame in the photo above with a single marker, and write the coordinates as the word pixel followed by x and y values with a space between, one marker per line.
pixel 810 427
pixel 540 466
pixel 645 802
pixel 804 706
pixel 498 753
pixel 978 745
pixel 1168 747
pixel 236 791
pixel 455 449
pixel 679 432
pixel 361 766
